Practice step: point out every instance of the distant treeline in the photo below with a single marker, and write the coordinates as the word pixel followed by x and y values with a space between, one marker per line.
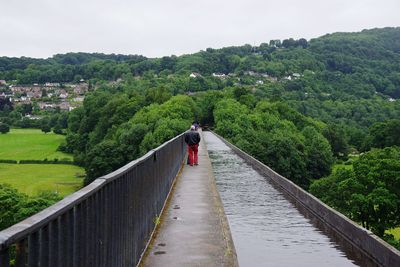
pixel 367 60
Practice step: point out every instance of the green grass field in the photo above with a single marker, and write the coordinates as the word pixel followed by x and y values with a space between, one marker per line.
pixel 31 179
pixel 34 178
pixel 30 144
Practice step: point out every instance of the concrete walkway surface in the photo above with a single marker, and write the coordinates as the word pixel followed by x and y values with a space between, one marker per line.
pixel 194 230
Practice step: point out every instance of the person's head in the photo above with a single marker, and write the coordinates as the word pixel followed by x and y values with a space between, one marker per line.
pixel 192 128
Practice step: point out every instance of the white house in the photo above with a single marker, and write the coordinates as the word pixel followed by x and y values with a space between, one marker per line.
pixel 194 75
pixel 219 75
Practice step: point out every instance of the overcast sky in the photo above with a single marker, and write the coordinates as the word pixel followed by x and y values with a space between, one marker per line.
pixel 154 28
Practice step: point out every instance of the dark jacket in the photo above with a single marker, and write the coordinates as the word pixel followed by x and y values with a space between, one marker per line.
pixel 192 138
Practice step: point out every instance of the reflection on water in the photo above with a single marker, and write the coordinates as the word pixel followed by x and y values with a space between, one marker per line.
pixel 267 229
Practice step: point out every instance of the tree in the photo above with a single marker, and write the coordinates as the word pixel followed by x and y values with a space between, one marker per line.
pixel 285 154
pixel 103 158
pixel 4 128
pixel 369 194
pixel 337 139
pixel 15 206
pixel 45 128
pixel 10 203
pixel 45 124
pixel 303 42
pixel 57 129
pixel 318 153
pixel 384 134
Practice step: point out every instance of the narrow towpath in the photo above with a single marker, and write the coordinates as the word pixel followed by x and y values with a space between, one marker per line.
pixel 194 230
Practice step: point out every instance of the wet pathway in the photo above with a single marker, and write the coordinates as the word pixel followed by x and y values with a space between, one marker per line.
pixel 193 230
pixel 267 229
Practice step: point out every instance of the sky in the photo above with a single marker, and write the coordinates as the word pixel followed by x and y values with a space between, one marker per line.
pixel 155 28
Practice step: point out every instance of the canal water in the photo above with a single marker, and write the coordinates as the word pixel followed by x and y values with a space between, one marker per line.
pixel 267 228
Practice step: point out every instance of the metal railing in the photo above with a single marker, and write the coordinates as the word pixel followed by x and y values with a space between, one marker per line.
pixel 107 223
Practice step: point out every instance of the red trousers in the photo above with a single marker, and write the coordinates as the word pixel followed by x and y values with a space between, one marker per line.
pixel 193 157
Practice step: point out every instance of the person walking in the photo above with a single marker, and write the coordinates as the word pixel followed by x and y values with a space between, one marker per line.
pixel 192 139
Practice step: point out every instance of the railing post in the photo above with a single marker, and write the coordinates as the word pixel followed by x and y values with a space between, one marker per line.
pixel 44 246
pixel 20 258
pixel 63 254
pixel 5 257
pixel 77 246
pixel 34 248
pixel 54 243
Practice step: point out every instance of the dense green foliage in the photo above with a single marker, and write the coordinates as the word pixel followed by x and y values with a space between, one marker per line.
pixel 278 136
pixel 66 68
pixel 383 134
pixel 369 193
pixel 16 206
pixel 4 128
pixel 14 115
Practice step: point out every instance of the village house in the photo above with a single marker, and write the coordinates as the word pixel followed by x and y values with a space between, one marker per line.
pixel 62 94
pixel 3 83
pixel 52 84
pixel 65 106
pixel 45 106
pixel 250 73
pixel 33 117
pixel 34 94
pixel 256 74
pixel 19 101
pixel 17 89
pixel 79 99
pixel 195 75
pixel 81 89
pixel 219 75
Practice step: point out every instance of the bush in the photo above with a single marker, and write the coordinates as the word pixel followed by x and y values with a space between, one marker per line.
pixel 392 241
pixel 46 161
pixel 4 128
pixel 32 161
pixel 10 161
pixel 63 148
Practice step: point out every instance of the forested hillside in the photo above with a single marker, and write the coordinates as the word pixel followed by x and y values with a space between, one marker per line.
pixel 297 105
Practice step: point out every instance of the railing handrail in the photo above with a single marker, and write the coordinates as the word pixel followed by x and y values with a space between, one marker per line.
pixel 124 169
pixel 17 231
